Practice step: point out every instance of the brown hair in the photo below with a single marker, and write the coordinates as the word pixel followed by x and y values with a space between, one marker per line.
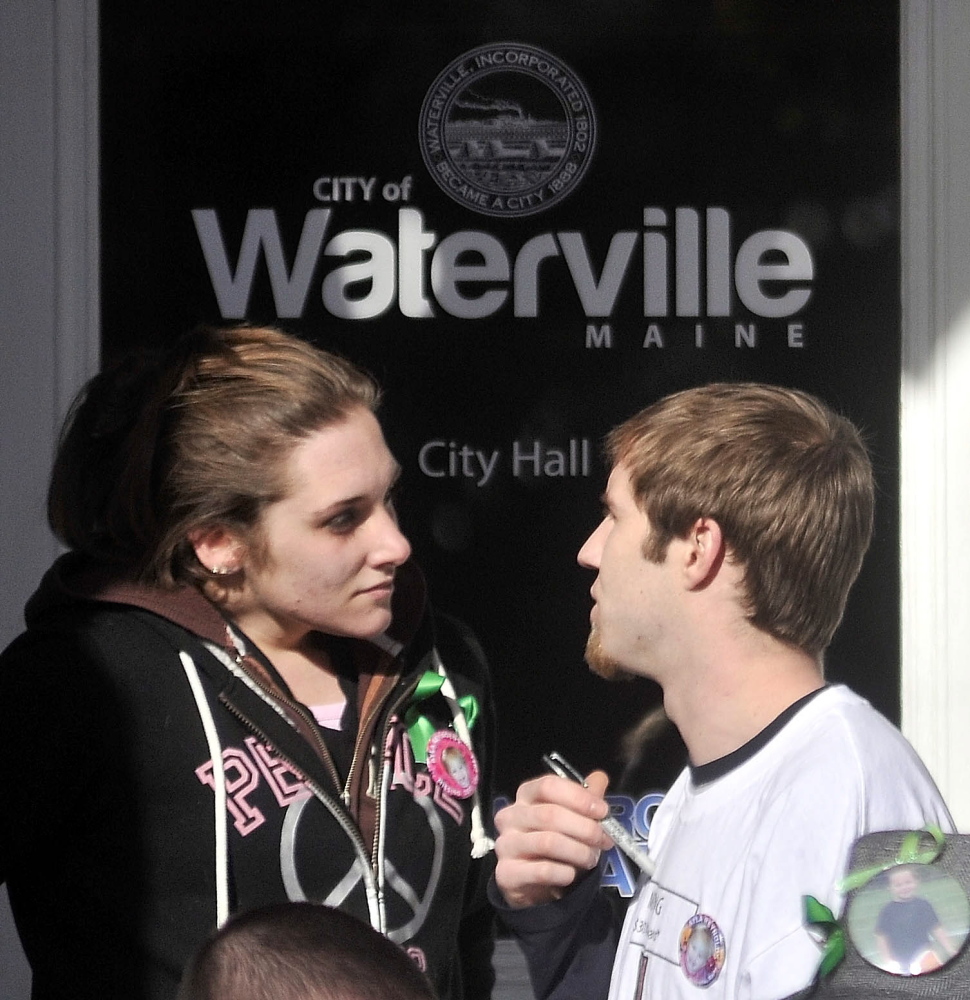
pixel 301 951
pixel 158 445
pixel 788 481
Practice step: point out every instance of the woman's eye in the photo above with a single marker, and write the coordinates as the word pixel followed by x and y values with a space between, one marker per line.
pixel 345 521
pixel 348 519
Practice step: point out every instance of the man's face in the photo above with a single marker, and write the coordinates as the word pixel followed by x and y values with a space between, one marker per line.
pixel 631 616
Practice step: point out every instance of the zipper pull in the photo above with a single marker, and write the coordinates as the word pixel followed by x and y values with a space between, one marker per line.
pixel 372 773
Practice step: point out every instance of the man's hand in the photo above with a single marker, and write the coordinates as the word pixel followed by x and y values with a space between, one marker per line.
pixel 548 836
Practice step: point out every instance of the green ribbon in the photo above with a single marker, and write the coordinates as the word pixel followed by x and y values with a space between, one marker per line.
pixel 420 728
pixel 909 853
pixel 821 918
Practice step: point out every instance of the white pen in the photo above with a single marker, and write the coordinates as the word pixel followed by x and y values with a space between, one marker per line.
pixel 618 833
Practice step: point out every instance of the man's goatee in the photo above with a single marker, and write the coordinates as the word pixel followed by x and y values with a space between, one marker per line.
pixel 601 664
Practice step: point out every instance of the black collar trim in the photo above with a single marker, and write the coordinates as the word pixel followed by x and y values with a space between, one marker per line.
pixel 705 773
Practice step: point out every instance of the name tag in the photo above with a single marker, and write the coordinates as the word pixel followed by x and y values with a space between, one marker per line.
pixel 658 921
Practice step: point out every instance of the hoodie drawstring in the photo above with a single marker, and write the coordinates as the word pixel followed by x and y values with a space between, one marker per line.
pixel 219 786
pixel 481 842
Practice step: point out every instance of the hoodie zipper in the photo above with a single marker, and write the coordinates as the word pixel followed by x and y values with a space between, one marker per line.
pixel 372 888
pixel 395 707
pixel 333 805
pixel 277 700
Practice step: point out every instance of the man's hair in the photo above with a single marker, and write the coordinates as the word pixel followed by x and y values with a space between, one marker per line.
pixel 301 951
pixel 788 481
pixel 197 436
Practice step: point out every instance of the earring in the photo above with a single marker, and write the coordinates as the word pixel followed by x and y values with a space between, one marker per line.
pixel 223 570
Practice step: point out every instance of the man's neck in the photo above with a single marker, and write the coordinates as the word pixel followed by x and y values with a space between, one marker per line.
pixel 720 706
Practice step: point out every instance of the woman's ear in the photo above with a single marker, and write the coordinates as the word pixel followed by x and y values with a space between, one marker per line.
pixel 217 548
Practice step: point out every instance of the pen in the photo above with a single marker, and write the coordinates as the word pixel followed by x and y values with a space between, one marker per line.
pixel 626 843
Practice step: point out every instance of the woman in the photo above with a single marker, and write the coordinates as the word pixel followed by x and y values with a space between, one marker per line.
pixel 227 690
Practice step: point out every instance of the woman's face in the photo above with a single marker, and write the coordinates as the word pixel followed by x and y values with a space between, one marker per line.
pixel 327 553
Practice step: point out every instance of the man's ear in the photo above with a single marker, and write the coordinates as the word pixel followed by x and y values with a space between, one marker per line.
pixel 217 548
pixel 704 552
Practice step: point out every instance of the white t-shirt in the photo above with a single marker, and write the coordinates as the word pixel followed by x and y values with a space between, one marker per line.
pixel 722 917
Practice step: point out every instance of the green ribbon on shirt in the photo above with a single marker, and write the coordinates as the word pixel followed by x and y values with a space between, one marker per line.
pixel 909 853
pixel 420 728
pixel 819 917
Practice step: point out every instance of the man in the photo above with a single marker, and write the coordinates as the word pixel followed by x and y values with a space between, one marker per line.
pixel 737 517
pixel 301 951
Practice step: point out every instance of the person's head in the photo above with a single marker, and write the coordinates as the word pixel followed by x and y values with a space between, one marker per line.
pixel 301 951
pixel 699 948
pixel 786 483
pixel 182 469
pixel 904 883
pixel 455 764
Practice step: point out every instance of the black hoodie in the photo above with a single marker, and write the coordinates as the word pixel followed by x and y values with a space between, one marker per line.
pixel 121 843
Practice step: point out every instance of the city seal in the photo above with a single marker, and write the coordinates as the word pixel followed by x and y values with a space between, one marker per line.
pixel 507 130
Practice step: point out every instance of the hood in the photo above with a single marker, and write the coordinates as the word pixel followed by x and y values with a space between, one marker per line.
pixel 75 579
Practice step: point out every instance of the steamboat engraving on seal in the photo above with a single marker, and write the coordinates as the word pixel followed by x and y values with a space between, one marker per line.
pixel 507 130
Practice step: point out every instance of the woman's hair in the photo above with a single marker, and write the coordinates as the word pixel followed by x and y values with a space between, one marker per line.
pixel 159 445
pixel 301 951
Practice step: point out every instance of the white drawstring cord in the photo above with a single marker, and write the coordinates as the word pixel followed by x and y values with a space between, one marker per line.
pixel 219 787
pixel 481 842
